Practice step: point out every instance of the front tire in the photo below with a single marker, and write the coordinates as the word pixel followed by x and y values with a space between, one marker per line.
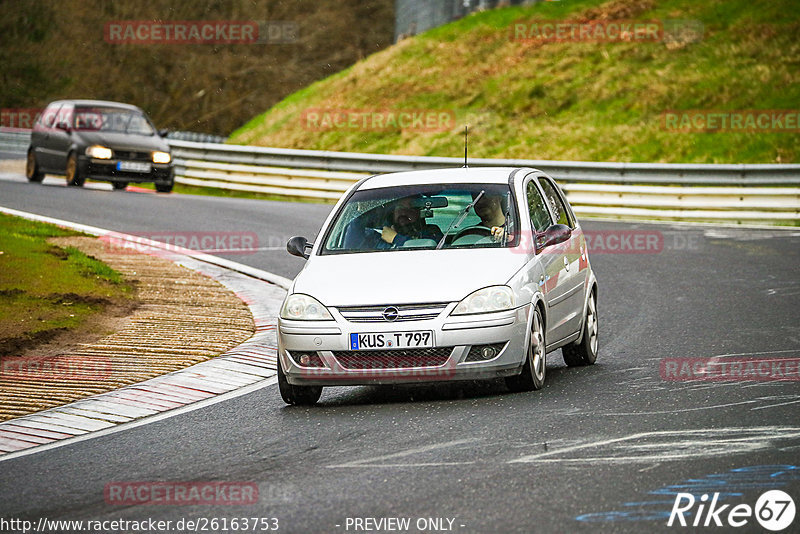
pixel 535 368
pixel 74 176
pixel 585 352
pixel 164 188
pixel 297 395
pixel 32 170
pixel 118 186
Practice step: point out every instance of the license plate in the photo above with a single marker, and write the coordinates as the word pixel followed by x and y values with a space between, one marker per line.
pixel 133 166
pixel 391 340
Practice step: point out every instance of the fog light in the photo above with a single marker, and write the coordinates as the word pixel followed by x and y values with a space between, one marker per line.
pixel 484 353
pixel 306 359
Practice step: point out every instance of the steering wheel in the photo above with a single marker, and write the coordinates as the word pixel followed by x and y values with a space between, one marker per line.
pixel 482 231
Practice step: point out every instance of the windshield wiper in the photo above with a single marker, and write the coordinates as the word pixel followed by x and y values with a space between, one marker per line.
pixel 456 221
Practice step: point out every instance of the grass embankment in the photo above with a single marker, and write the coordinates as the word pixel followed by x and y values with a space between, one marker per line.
pixel 46 290
pixel 569 100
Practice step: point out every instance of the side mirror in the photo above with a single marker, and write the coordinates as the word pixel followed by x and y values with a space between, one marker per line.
pixel 555 234
pixel 62 126
pixel 297 247
pixel 163 132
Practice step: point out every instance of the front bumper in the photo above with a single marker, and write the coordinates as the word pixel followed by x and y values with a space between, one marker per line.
pixel 457 341
pixel 106 170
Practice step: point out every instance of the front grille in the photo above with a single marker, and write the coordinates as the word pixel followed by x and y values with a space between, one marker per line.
pixel 393 359
pixel 406 312
pixel 107 170
pixel 133 155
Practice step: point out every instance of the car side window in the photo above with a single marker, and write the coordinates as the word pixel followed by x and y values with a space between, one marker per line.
pixel 540 218
pixel 556 204
pixel 64 116
pixel 48 116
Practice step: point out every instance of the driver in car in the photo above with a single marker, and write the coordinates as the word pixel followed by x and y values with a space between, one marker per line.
pixel 407 224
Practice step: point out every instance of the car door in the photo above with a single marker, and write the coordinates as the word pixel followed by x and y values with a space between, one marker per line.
pixel 571 273
pixel 550 262
pixel 61 138
pixel 41 137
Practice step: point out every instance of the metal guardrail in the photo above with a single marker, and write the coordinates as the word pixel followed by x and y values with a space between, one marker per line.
pixel 695 192
pixel 620 173
pixel 195 136
pixel 14 141
pixel 17 140
pixel 664 191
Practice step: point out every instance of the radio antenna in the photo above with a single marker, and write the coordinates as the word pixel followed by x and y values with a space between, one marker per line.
pixel 466 144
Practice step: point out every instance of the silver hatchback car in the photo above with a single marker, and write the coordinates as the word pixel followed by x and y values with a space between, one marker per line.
pixel 454 274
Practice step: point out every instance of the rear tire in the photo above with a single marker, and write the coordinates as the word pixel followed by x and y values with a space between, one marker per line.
pixel 118 186
pixel 297 395
pixel 535 368
pixel 585 352
pixel 74 177
pixel 32 171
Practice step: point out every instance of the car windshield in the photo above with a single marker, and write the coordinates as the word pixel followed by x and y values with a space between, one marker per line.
pixel 111 119
pixel 424 217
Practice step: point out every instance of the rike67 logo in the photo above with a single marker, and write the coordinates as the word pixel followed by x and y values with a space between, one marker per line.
pixel 774 511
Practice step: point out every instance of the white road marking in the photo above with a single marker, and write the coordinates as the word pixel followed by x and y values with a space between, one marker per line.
pixel 756 353
pixel 699 408
pixel 372 462
pixel 671 445
pixel 775 405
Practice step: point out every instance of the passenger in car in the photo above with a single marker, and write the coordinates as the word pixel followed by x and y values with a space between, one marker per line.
pixel 407 224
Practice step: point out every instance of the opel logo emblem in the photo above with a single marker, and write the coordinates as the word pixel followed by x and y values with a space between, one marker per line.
pixel 391 313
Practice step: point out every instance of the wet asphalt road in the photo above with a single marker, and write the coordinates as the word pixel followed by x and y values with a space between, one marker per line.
pixel 599 449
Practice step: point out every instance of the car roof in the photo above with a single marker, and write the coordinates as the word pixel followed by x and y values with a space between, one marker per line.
pixel 480 175
pixel 88 103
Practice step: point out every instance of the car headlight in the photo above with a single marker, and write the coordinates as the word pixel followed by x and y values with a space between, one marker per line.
pixel 486 300
pixel 99 152
pixel 161 157
pixel 304 308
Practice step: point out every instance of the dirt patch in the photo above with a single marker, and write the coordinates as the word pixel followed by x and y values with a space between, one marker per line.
pixel 617 10
pixel 181 318
pixel 13 166
pixel 54 341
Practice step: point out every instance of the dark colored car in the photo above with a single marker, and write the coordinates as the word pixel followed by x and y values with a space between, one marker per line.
pixel 99 140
